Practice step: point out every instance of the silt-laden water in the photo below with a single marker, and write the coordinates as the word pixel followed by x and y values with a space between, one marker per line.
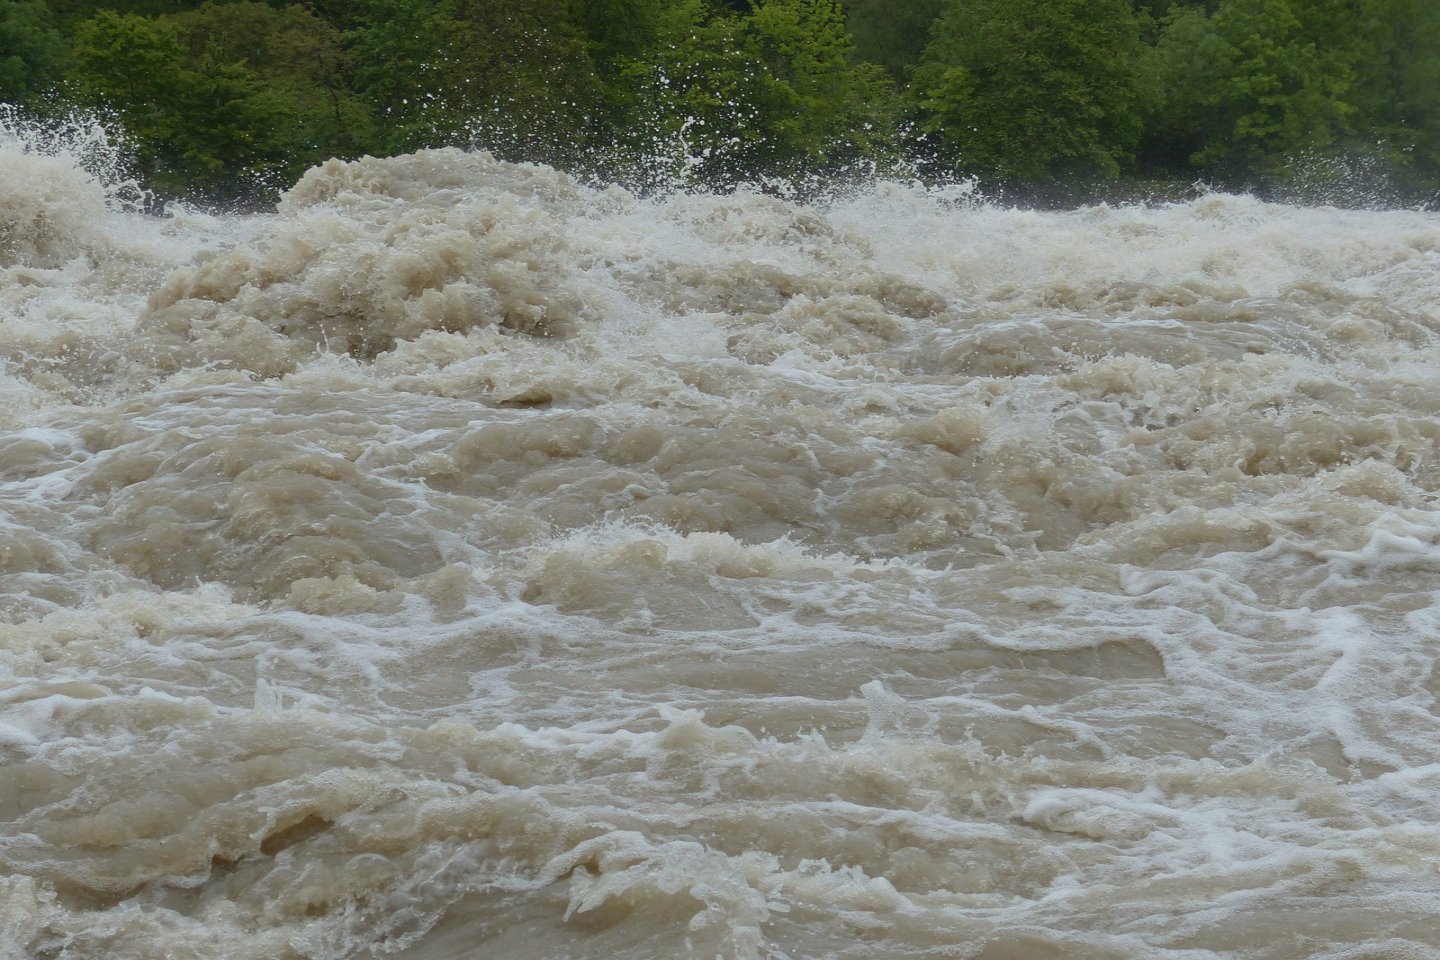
pixel 464 562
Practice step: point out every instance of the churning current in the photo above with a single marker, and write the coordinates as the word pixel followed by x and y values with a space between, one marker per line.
pixel 465 562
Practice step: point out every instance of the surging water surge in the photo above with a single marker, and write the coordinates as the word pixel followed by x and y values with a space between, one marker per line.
pixel 463 562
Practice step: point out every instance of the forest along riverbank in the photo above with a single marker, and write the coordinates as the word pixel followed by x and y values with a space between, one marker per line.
pixel 462 561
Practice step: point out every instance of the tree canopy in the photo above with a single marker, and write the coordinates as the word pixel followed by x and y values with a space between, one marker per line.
pixel 1033 90
pixel 227 99
pixel 32 50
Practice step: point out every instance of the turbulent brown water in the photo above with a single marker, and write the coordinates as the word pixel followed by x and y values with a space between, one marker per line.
pixel 463 562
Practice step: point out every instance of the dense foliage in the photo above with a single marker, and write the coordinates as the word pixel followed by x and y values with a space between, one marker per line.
pixel 1035 90
pixel 226 99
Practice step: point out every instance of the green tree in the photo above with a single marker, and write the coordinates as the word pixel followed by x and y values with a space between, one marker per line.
pixel 774 92
pixel 204 122
pixel 516 76
pixel 891 34
pixel 404 53
pixel 137 65
pixel 1396 93
pixel 844 107
pixel 31 50
pixel 528 85
pixel 1252 86
pixel 1034 90
pixel 300 61
pixel 77 10
pixel 621 30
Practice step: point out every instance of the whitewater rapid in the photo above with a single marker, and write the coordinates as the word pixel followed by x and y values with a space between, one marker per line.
pixel 466 562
